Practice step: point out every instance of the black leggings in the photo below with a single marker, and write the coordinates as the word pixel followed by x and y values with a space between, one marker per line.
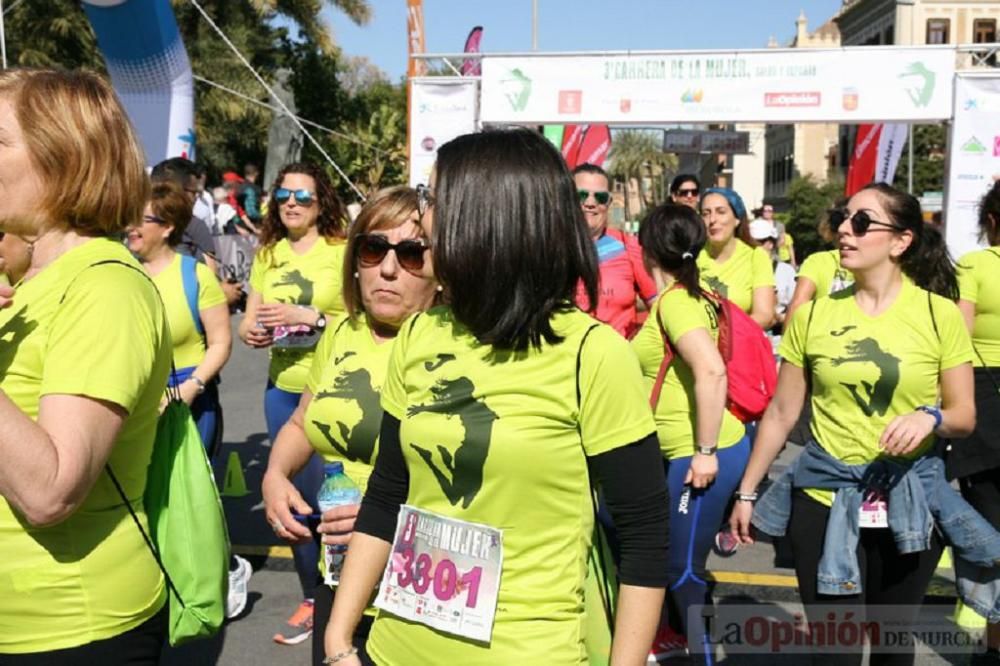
pixel 887 578
pixel 137 647
pixel 321 618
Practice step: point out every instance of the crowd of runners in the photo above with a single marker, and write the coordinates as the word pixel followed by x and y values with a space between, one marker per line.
pixel 548 418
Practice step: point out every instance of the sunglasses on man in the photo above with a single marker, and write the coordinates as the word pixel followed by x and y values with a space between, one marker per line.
pixel 861 222
pixel 601 197
pixel 302 197
pixel 373 248
pixel 688 192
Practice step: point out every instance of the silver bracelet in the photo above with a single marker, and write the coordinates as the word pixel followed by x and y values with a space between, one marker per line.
pixel 746 497
pixel 340 656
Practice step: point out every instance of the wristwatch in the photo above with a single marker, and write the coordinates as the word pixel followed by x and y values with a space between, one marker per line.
pixel 706 450
pixel 320 322
pixel 933 411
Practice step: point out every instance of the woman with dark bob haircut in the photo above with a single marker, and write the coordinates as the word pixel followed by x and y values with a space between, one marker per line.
pixel 499 407
pixel 84 356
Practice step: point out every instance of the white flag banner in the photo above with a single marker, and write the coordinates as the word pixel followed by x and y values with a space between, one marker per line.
pixel 890 147
pixel 441 108
pixel 974 158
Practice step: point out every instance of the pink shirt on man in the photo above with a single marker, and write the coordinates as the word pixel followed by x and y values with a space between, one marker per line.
pixel 622 278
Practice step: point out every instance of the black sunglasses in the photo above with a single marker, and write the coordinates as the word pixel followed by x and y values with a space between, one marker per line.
pixel 425 199
pixel 688 192
pixel 861 222
pixel 601 197
pixel 302 197
pixel 373 248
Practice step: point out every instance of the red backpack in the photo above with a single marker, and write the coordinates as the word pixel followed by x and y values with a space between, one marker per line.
pixel 751 372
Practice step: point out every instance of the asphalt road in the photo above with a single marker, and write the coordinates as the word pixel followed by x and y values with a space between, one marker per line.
pixel 753 578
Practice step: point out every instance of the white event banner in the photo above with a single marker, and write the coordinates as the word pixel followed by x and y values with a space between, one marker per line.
pixel 974 158
pixel 441 108
pixel 849 85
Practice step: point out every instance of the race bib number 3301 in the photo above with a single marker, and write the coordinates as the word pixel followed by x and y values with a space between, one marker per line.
pixel 444 573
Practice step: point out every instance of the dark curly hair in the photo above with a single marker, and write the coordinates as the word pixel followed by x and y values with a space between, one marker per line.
pixel 332 220
pixel 989 215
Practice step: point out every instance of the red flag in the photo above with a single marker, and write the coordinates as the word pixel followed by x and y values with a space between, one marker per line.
pixel 595 145
pixel 572 140
pixel 861 170
pixel 473 66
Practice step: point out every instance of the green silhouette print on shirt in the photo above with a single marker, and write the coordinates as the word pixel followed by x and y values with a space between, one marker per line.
pixel 355 386
pixel 16 329
pixel 717 285
pixel 294 278
pixel 454 397
pixel 872 398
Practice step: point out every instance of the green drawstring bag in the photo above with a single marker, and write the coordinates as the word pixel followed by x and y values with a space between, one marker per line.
pixel 187 527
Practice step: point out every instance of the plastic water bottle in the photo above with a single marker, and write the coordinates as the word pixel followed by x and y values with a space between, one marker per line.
pixel 337 490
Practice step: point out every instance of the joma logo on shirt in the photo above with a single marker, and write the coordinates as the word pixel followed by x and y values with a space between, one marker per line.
pixel 454 397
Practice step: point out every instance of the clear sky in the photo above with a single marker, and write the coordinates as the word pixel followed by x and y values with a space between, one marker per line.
pixel 577 25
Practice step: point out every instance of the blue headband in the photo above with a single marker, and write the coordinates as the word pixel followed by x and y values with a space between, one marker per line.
pixel 735 202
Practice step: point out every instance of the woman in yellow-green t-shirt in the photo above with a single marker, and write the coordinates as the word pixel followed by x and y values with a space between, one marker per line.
pixel 84 357
pixel 387 278
pixel 730 263
pixel 295 290
pixel 874 355
pixel 821 273
pixel 704 445
pixel 196 307
pixel 498 408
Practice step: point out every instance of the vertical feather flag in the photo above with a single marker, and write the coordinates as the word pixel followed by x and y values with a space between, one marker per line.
pixel 473 66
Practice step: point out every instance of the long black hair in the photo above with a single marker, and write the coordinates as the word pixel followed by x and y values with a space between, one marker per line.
pixel 671 236
pixel 926 261
pixel 989 215
pixel 509 240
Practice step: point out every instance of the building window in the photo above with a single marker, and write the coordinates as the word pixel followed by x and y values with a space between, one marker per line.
pixel 889 36
pixel 937 31
pixel 984 31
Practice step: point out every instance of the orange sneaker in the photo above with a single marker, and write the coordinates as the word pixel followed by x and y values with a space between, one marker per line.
pixel 300 625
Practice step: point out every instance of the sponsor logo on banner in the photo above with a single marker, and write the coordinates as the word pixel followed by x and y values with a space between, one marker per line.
pixel 849 99
pixel 996 146
pixel 792 99
pixel 570 102
pixel 973 147
pixel 625 105
pixel 428 143
pixel 693 96
pixel 970 176
pixel 517 89
pixel 971 104
pixel 921 83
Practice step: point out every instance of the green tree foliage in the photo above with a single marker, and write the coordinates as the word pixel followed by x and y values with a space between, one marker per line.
pixel 347 95
pixel 808 205
pixel 928 160
pixel 635 154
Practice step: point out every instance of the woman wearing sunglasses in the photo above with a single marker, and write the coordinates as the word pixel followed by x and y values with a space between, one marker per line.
pixel 387 278
pixel 730 263
pixel 295 286
pixel 499 408
pixel 623 279
pixel 685 190
pixel 888 361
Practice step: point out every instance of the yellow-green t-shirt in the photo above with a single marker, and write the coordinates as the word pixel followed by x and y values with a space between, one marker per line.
pixel 312 279
pixel 785 249
pixel 976 273
pixel 676 410
pixel 746 269
pixel 511 426
pixel 189 345
pixel 90 577
pixel 867 370
pixel 345 415
pixel 823 269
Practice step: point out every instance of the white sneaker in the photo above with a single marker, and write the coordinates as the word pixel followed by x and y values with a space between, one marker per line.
pixel 236 599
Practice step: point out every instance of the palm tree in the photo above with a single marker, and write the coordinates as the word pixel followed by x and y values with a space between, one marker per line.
pixel 636 154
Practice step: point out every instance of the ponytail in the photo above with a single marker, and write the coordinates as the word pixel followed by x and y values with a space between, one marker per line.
pixel 671 237
pixel 929 264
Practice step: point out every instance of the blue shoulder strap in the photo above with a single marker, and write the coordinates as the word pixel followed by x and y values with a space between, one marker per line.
pixel 189 276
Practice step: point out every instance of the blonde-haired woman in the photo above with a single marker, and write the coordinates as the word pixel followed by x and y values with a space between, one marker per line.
pixel 387 278
pixel 84 357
